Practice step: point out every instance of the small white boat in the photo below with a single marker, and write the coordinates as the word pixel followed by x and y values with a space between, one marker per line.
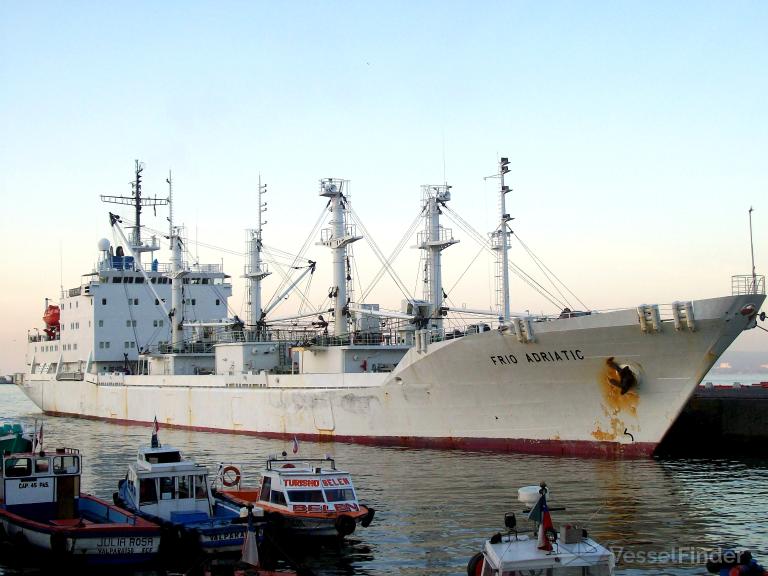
pixel 305 496
pixel 547 552
pixel 166 487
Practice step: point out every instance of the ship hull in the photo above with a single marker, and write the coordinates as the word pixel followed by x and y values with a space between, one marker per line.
pixel 556 393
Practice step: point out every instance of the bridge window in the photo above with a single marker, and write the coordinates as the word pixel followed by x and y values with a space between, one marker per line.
pixel 147 491
pixel 201 488
pixel 166 488
pixel 305 496
pixel 277 497
pixel 66 465
pixel 185 484
pixel 265 489
pixel 41 465
pixel 18 467
pixel 339 495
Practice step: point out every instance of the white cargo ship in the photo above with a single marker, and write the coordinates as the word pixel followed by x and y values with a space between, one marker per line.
pixel 140 339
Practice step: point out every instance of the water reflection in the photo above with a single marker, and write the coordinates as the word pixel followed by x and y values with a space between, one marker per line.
pixel 435 508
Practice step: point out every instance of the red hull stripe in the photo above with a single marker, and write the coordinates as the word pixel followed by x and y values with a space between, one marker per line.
pixel 593 449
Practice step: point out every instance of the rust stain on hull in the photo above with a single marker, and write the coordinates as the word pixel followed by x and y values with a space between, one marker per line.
pixel 615 403
pixel 614 400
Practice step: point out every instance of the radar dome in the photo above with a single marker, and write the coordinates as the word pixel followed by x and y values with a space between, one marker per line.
pixel 530 494
pixel 103 244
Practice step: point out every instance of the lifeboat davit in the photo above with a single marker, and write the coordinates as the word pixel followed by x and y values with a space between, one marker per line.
pixel 51 315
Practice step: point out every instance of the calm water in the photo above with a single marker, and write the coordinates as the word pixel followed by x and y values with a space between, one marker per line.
pixel 435 508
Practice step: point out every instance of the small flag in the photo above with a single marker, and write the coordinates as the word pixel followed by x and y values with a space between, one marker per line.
pixel 545 527
pixel 155 429
pixel 250 553
pixel 37 444
pixel 295 444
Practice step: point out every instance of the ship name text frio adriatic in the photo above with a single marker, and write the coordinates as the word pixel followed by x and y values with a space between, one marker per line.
pixel 535 357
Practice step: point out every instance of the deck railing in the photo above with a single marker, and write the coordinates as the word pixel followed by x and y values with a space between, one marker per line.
pixel 747 284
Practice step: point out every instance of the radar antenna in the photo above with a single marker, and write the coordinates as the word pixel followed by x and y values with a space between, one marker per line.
pixel 138 202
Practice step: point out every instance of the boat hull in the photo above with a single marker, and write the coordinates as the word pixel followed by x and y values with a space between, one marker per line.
pixel 552 394
pixel 121 542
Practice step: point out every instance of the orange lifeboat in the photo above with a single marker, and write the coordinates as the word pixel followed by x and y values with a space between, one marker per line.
pixel 51 315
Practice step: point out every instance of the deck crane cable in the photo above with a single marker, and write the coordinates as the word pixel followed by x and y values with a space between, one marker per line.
pixel 300 256
pixel 519 272
pixel 279 267
pixel 387 265
pixel 541 267
pixel 275 253
pixel 475 235
pixel 380 255
pixel 537 259
pixel 230 310
pixel 450 290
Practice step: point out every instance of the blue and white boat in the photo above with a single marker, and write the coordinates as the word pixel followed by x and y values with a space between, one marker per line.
pixel 165 487
pixel 41 507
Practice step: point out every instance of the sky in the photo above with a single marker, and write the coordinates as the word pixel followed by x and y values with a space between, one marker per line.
pixel 636 131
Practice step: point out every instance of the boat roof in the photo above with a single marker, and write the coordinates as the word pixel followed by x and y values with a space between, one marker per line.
pixel 522 553
pixel 165 458
pixel 42 453
pixel 304 466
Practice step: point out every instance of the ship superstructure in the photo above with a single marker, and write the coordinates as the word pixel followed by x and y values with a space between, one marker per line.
pixel 145 339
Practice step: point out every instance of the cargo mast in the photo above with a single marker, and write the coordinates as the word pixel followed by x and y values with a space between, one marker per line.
pixel 337 237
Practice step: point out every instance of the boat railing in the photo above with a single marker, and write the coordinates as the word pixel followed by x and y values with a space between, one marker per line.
pixel 299 464
pixel 42 338
pixel 747 284
pixel 186 348
pixel 128 264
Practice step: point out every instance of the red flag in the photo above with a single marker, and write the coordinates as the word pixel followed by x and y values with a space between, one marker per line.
pixel 37 444
pixel 295 444
pixel 546 527
pixel 155 429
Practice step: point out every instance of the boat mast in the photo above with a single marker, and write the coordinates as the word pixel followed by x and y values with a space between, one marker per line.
pixel 752 248
pixel 255 271
pixel 177 273
pixel 433 240
pixel 337 237
pixel 501 245
pixel 138 202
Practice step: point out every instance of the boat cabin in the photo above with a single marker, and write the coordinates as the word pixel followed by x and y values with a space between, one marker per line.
pixel 307 486
pixel 165 484
pixel 42 485
pixel 519 555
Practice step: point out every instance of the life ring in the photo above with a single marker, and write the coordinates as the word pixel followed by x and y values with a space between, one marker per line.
pixel 475 565
pixel 230 476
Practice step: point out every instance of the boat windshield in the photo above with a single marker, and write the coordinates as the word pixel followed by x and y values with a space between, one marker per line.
pixel 164 457
pixel 18 467
pixel 305 496
pixel 339 494
pixel 147 491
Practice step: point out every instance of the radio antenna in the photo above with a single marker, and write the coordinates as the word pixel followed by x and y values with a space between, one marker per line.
pixel 752 249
